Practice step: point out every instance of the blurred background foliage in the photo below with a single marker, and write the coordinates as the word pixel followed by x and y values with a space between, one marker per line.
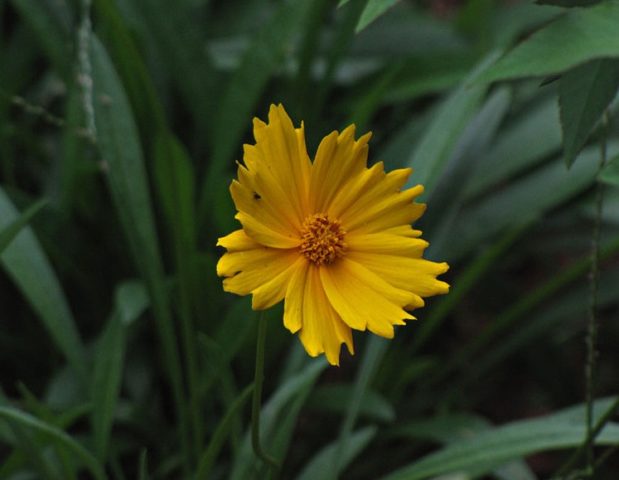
pixel 120 121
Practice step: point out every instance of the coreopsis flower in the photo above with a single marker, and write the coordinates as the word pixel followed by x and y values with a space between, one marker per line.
pixel 332 238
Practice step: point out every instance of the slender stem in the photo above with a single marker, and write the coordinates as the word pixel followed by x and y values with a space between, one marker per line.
pixel 592 324
pixel 256 401
pixel 601 423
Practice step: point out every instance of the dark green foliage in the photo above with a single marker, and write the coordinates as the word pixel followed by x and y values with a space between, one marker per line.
pixel 584 95
pixel 120 355
pixel 574 38
pixel 610 174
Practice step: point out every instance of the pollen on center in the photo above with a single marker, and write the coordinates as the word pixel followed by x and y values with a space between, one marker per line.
pixel 322 239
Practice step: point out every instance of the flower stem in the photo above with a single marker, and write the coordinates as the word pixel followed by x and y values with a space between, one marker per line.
pixel 256 401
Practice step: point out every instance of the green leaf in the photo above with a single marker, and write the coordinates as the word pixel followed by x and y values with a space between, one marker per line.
pixel 584 94
pixel 128 182
pixel 490 449
pixel 175 181
pixel 56 436
pixel 26 263
pixel 448 195
pixel 403 33
pixel 33 452
pixel 321 465
pixel 436 145
pixel 576 37
pixel 281 431
pixel 524 199
pixel 373 10
pixel 131 301
pixel 120 149
pixel 336 398
pixel 9 232
pixel 177 36
pixel 427 74
pixel 232 332
pixel 131 67
pixel 516 21
pixel 207 459
pixel 610 173
pixel 522 144
pixel 455 427
pixel 372 356
pixel 277 419
pixel 346 21
pixel 446 428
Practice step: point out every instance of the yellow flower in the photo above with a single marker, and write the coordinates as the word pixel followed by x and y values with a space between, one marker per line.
pixel 331 237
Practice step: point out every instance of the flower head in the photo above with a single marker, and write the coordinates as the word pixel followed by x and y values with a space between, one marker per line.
pixel 331 237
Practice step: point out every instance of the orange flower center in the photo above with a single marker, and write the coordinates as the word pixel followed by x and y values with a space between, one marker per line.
pixel 322 239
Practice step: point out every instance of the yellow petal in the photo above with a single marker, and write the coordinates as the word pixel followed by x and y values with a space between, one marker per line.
pixel 339 158
pixel 237 241
pixel 248 201
pixel 415 275
pixel 260 179
pixel 274 290
pixel 355 187
pixel 322 329
pixel 385 206
pixel 364 300
pixel 264 235
pixel 293 306
pixel 403 230
pixel 282 150
pixel 398 215
pixel 248 270
pixel 386 243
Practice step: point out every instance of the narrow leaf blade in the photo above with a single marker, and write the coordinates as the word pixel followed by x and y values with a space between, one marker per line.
pixel 610 173
pixel 321 465
pixel 9 232
pixel 373 10
pixel 56 435
pixel 492 448
pixel 584 94
pixel 26 263
pixel 131 301
pixel 436 145
pixel 590 33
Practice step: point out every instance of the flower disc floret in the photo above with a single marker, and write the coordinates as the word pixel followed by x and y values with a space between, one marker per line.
pixel 322 239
